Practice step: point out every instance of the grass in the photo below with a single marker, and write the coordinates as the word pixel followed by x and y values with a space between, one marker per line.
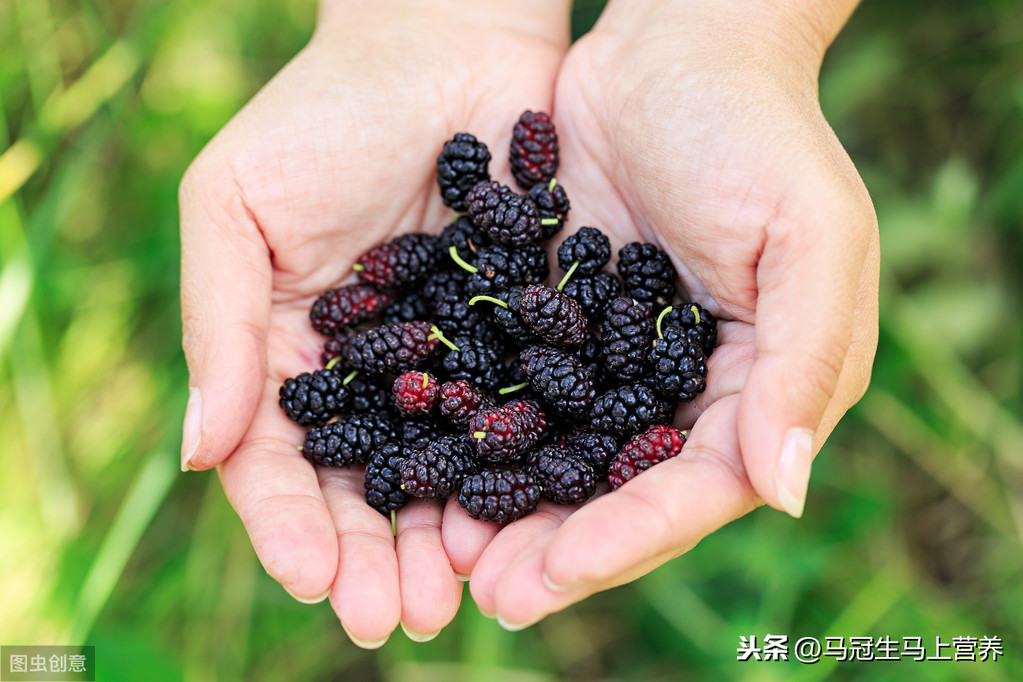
pixel 913 525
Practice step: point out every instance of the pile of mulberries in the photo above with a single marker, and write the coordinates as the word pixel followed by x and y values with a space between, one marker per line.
pixel 453 368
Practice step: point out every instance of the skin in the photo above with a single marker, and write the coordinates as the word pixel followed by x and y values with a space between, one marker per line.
pixel 333 156
pixel 702 131
pixel 688 124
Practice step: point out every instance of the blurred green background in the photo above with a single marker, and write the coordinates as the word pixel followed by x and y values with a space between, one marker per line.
pixel 913 523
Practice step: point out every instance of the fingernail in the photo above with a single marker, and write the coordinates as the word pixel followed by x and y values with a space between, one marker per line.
pixel 307 600
pixel 792 475
pixel 514 627
pixel 362 643
pixel 462 577
pixel 488 614
pixel 192 429
pixel 418 637
pixel 551 585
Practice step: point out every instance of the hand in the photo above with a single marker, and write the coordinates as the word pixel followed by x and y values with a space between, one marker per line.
pixel 334 156
pixel 703 132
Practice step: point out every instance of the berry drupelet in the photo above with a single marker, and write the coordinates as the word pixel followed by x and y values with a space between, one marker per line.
pixel 401 263
pixel 648 274
pixel 563 478
pixel 416 434
pixel 337 309
pixel 657 444
pixel 416 393
pixel 415 306
pixel 499 496
pixel 552 200
pixel 628 409
pixel 313 398
pixel 589 250
pixel 534 149
pixel 627 332
pixel 504 434
pixel 560 378
pixel 348 441
pixel 461 164
pixel 680 369
pixel 596 448
pixel 438 471
pixel 460 401
pixel 334 347
pixel 391 348
pixel 592 292
pixel 698 324
pixel 499 267
pixel 464 236
pixel 383 479
pixel 504 216
pixel 553 316
pixel 474 360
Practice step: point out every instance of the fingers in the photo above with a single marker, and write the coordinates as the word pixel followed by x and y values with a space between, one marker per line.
pixel 225 303
pixel 621 535
pixel 430 590
pixel 276 494
pixel 664 511
pixel 507 545
pixel 365 595
pixel 808 278
pixel 464 538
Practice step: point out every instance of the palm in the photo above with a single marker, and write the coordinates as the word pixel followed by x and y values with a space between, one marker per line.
pixel 321 168
pixel 695 164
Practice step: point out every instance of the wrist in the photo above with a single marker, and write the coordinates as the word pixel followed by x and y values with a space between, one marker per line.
pixel 540 19
pixel 792 34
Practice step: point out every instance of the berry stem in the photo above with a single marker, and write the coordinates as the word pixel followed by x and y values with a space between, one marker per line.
pixel 491 299
pixel 511 389
pixel 394 524
pixel 358 267
pixel 301 448
pixel 696 313
pixel 348 379
pixel 461 263
pixel 437 333
pixel 568 275
pixel 479 435
pixel 661 317
pixel 549 221
pixel 426 379
pixel 333 361
pixel 552 185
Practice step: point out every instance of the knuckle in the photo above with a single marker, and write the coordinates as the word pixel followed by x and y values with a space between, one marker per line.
pixel 819 375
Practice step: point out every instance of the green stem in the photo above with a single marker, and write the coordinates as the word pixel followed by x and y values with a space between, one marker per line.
pixel 358 267
pixel 552 185
pixel 696 313
pixel 394 524
pixel 479 435
pixel 461 263
pixel 564 280
pixel 426 379
pixel 437 332
pixel 349 378
pixel 661 317
pixel 333 362
pixel 549 221
pixel 491 299
pixel 511 389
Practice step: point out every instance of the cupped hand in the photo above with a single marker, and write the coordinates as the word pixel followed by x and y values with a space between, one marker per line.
pixel 332 157
pixel 703 133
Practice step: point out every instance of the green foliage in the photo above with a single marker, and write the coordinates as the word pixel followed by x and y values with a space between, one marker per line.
pixel 913 524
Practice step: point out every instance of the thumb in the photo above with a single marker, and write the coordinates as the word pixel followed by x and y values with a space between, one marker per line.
pixel 226 280
pixel 807 281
